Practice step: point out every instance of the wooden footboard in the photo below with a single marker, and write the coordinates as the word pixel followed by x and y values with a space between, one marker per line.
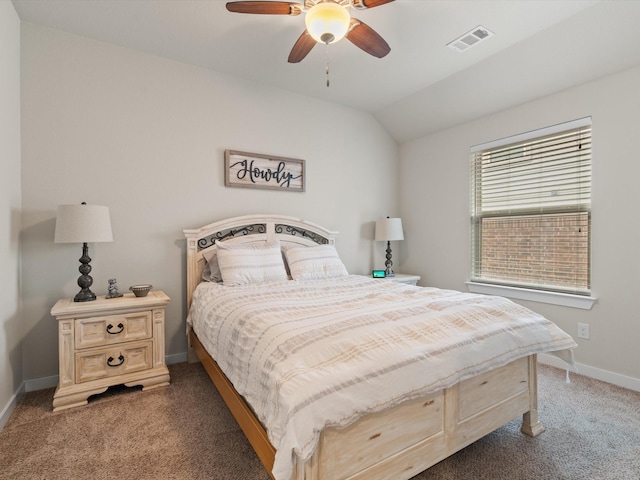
pixel 401 442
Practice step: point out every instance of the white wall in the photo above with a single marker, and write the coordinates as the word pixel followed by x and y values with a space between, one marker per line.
pixel 10 331
pixel 146 136
pixel 434 181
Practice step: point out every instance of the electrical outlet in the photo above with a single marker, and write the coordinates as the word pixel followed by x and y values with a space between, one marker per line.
pixel 583 331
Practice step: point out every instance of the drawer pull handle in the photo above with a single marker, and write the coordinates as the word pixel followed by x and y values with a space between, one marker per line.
pixel 120 326
pixel 110 359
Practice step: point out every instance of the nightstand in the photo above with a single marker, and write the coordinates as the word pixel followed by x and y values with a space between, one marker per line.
pixel 109 342
pixel 405 278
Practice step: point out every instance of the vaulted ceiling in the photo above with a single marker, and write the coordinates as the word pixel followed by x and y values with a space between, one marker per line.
pixel 538 47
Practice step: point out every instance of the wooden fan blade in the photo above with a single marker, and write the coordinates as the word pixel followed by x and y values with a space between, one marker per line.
pixel 302 47
pixel 370 3
pixel 366 38
pixel 265 8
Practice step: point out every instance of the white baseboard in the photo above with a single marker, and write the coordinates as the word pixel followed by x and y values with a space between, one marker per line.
pixel 176 358
pixel 11 405
pixel 41 383
pixel 592 372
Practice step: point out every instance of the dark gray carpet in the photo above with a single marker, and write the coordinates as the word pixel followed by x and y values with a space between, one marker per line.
pixel 185 431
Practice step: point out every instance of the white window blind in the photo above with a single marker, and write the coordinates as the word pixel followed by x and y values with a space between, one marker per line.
pixel 531 209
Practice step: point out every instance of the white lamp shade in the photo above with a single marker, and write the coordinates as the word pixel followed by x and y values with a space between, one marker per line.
pixel 83 224
pixel 327 22
pixel 389 229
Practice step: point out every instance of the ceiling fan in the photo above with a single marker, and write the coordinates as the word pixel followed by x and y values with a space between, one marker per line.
pixel 327 21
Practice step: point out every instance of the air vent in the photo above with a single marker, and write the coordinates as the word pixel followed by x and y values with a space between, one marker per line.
pixel 470 39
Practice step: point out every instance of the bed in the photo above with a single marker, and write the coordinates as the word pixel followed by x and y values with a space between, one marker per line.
pixel 392 424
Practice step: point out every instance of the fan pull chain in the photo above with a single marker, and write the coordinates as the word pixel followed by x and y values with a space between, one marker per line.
pixel 327 67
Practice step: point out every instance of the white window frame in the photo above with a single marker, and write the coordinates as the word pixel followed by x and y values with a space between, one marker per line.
pixel 582 301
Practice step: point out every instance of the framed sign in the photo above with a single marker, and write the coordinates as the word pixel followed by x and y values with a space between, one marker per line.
pixel 253 170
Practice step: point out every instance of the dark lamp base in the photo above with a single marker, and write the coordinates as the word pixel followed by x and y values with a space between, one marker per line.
pixel 85 281
pixel 84 296
pixel 388 264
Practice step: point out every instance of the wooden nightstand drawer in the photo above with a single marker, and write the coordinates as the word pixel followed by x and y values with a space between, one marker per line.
pixel 97 331
pixel 111 361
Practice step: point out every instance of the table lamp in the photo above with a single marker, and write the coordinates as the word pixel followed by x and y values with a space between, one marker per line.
pixel 83 224
pixel 389 230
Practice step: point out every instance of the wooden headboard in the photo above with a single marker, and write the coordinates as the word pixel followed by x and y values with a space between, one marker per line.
pixel 290 231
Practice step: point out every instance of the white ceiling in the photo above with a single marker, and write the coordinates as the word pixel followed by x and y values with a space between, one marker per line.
pixel 538 47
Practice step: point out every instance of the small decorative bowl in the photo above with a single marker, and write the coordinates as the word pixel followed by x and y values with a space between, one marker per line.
pixel 140 290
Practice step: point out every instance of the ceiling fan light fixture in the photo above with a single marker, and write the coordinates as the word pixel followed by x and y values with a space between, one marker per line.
pixel 327 22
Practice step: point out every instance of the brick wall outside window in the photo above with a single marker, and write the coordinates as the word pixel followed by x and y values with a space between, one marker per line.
pixel 538 250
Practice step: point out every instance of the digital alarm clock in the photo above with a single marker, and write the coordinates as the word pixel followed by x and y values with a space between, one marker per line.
pixel 378 274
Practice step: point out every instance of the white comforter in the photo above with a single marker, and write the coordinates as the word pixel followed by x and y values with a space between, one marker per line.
pixel 307 354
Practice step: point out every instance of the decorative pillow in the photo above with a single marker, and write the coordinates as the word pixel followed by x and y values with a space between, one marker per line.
pixel 211 271
pixel 242 264
pixel 313 263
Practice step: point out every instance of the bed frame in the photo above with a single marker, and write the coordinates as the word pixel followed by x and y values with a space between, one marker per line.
pixel 397 443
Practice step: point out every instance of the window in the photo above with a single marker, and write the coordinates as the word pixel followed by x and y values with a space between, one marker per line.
pixel 531 210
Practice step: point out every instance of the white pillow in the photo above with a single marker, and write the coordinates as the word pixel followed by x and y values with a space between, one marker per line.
pixel 242 264
pixel 313 263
